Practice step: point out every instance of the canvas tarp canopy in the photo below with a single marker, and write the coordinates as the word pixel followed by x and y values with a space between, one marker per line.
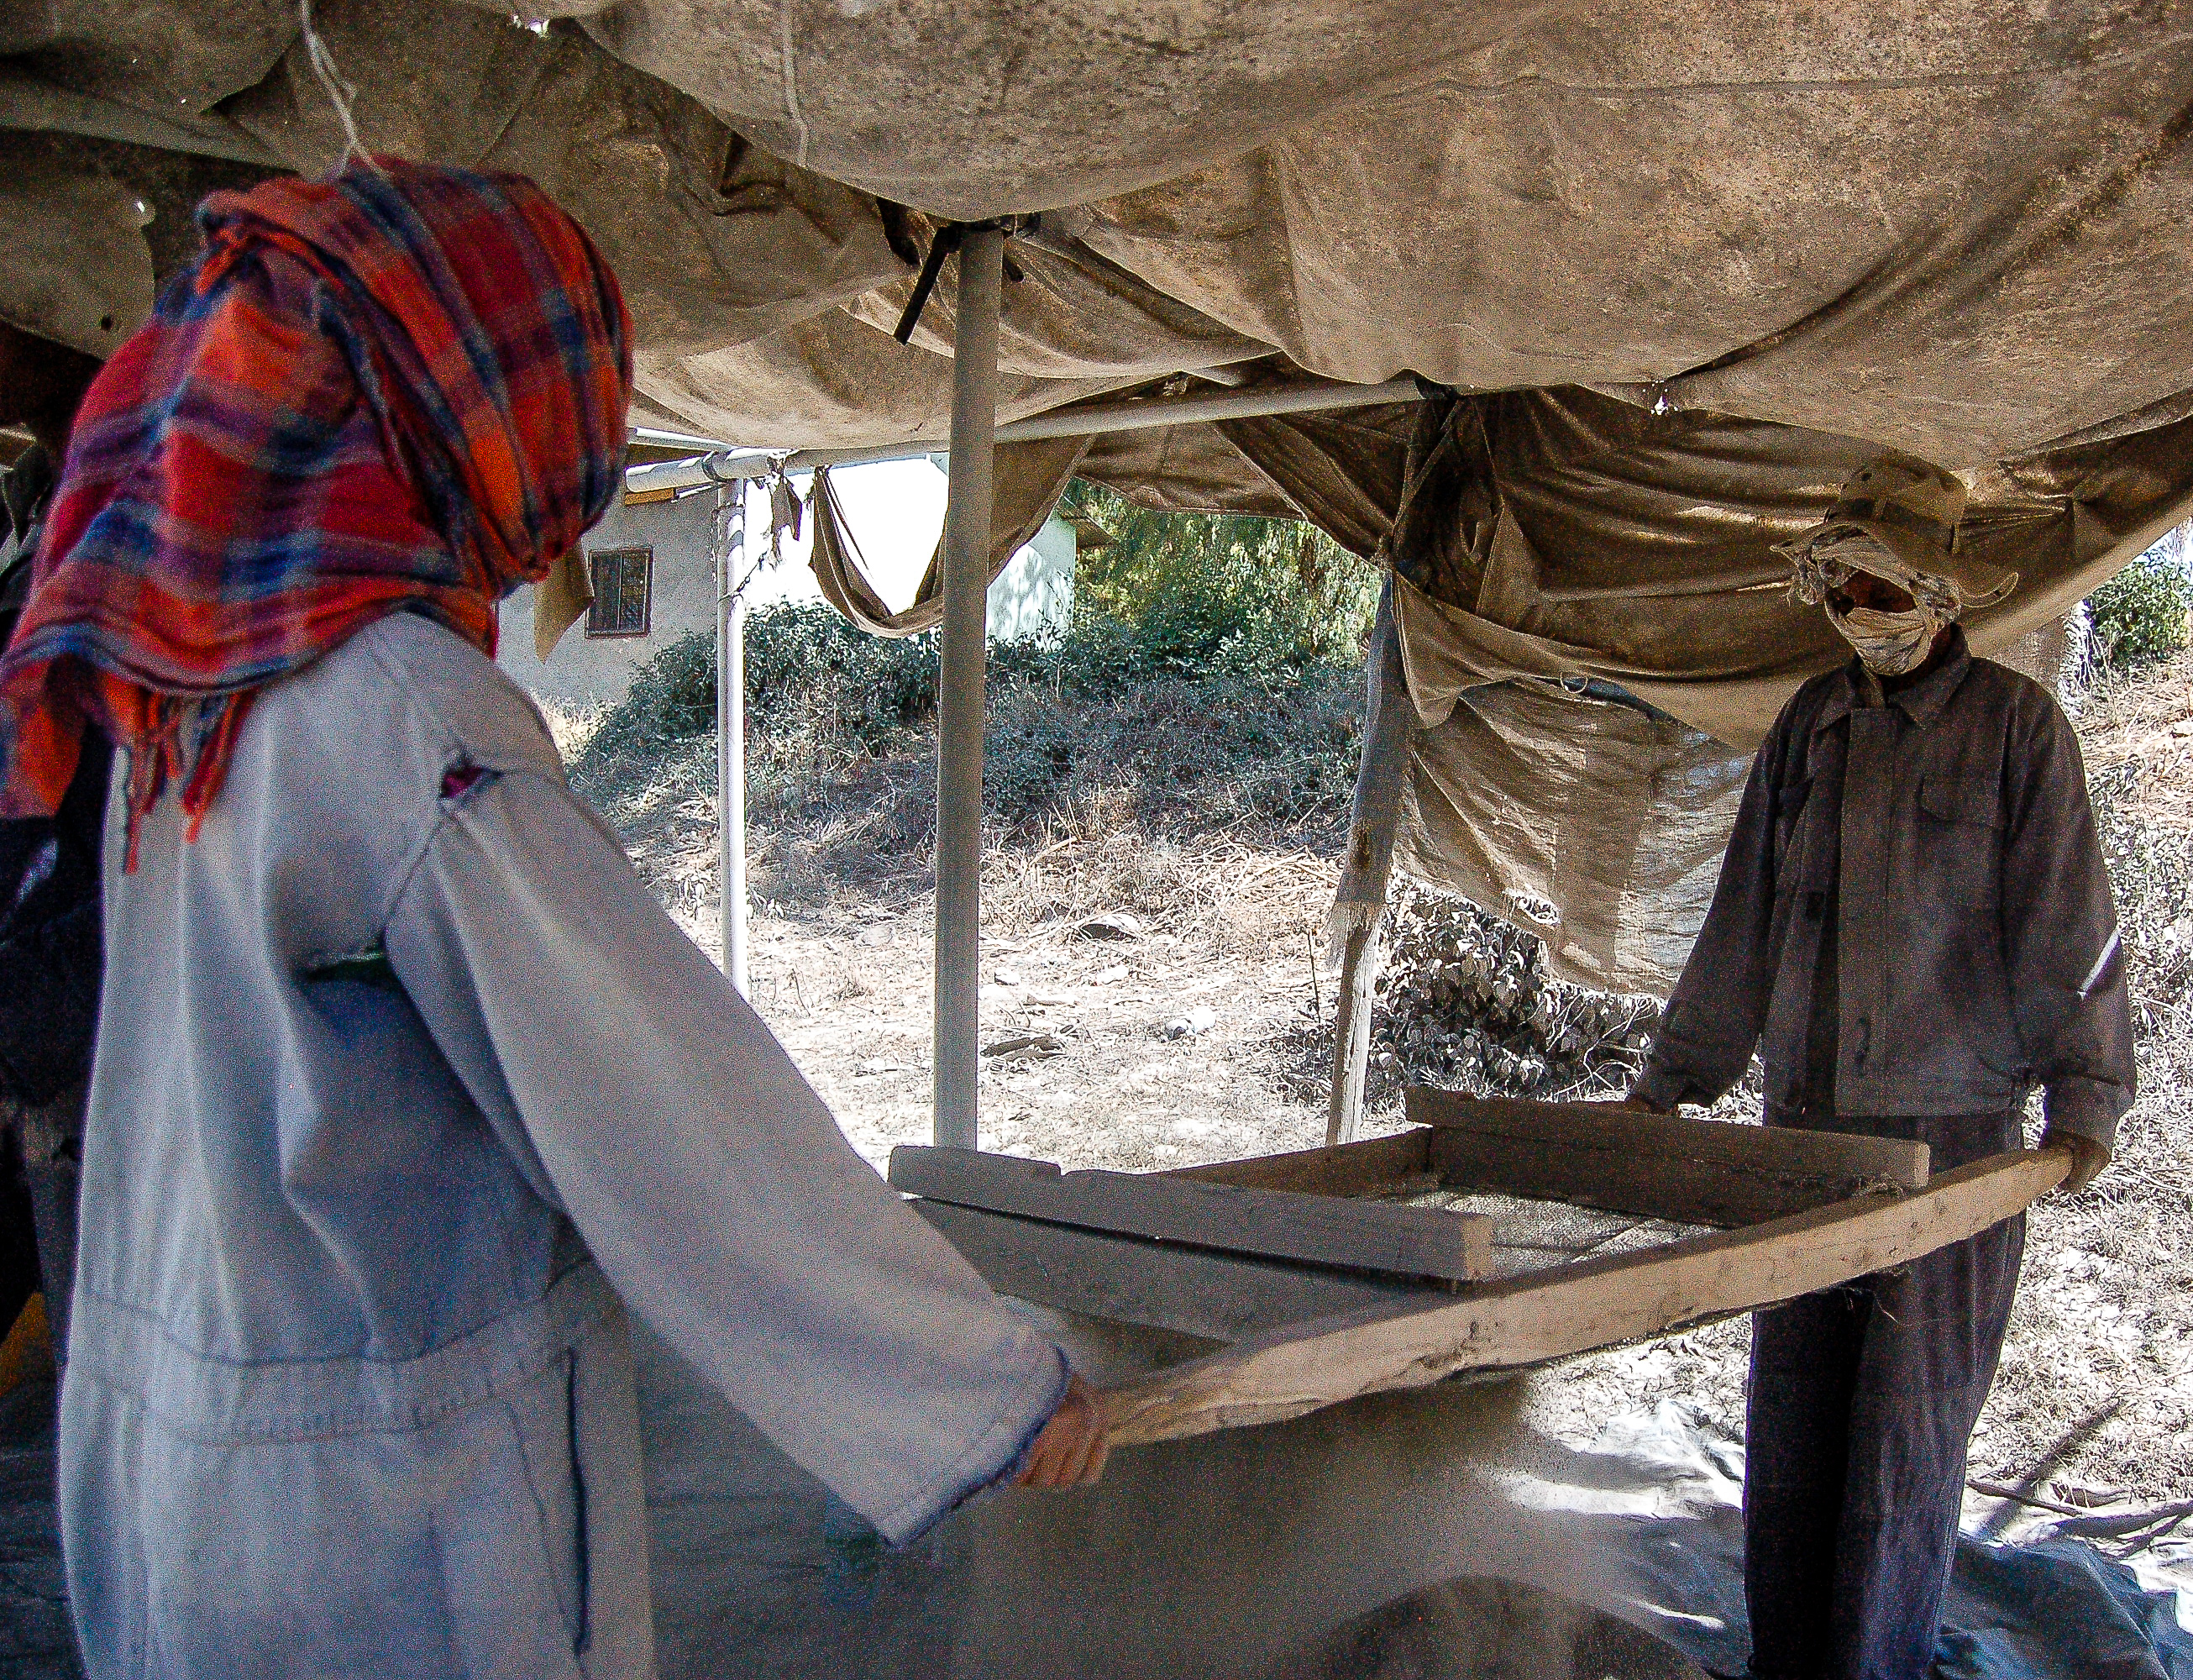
pixel 1681 265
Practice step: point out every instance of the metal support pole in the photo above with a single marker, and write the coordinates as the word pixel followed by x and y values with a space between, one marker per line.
pixel 960 687
pixel 1083 420
pixel 731 726
pixel 1361 900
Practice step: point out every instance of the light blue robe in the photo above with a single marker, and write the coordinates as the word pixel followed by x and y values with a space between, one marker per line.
pixel 406 1090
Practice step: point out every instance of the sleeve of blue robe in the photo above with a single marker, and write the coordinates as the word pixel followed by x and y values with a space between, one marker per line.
pixel 647 1099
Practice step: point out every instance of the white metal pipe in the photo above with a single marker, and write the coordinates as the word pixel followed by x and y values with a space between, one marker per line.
pixel 658 439
pixel 1320 397
pixel 960 688
pixel 731 467
pixel 731 727
pixel 1315 399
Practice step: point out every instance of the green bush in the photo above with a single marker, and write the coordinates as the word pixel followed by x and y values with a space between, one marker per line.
pixel 798 657
pixel 673 694
pixel 1211 673
pixel 2139 616
pixel 1219 592
pixel 1248 603
pixel 805 655
pixel 1173 753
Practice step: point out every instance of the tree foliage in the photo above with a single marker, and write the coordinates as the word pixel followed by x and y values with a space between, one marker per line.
pixel 2139 616
pixel 1223 591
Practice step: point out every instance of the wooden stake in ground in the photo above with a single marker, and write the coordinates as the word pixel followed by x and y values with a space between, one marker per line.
pixel 1360 902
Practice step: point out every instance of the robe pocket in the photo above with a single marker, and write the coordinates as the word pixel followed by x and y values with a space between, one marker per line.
pixel 1974 800
pixel 513 1540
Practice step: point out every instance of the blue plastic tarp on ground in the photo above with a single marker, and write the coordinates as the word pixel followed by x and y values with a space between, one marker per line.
pixel 2048 1607
pixel 2056 1610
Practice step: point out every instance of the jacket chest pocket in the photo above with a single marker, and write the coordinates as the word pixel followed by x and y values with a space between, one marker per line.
pixel 1963 800
pixel 1957 854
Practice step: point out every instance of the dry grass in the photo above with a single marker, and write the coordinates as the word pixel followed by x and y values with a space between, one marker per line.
pixel 1170 799
pixel 864 850
pixel 1210 891
pixel 571 724
pixel 2098 1378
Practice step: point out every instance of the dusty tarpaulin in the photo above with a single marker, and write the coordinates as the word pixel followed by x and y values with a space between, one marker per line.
pixel 1596 825
pixel 66 170
pixel 1562 533
pixel 1906 230
pixel 561 600
pixel 1026 481
pixel 1958 234
pixel 76 268
pixel 1961 237
pixel 1566 536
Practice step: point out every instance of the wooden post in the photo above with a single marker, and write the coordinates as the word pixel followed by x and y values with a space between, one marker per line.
pixel 731 727
pixel 1361 899
pixel 960 687
pixel 1360 959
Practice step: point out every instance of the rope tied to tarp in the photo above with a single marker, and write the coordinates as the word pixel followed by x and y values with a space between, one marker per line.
pixel 341 90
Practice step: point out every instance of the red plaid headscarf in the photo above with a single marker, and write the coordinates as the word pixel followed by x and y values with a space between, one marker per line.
pixel 404 388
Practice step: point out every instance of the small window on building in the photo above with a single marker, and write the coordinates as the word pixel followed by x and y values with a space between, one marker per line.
pixel 623 580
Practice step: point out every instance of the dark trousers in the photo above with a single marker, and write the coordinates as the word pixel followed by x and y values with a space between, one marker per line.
pixel 18 1231
pixel 1863 1401
pixel 40 1170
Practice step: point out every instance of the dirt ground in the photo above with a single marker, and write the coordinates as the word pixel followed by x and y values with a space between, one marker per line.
pixel 1163 1050
pixel 1190 1041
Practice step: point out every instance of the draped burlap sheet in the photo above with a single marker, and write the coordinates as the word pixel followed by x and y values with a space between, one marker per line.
pixel 1026 483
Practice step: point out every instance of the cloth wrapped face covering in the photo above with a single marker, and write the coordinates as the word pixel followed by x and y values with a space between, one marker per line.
pixel 403 389
pixel 1889 644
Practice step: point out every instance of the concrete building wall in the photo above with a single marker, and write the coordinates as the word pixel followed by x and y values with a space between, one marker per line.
pixel 1035 591
pixel 588 670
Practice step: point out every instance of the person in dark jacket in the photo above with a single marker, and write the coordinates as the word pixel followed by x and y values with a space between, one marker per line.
pixel 74 282
pixel 49 931
pixel 1914 928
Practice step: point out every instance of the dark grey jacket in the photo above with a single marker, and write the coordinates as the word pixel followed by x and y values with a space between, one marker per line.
pixel 1947 838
